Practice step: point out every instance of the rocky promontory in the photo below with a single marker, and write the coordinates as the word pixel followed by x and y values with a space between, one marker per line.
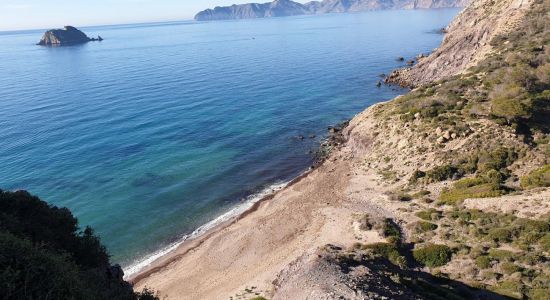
pixel 69 35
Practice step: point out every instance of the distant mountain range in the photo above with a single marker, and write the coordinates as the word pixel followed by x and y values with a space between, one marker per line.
pixel 281 8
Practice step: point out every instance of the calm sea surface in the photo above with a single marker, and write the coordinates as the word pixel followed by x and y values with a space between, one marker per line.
pixel 162 127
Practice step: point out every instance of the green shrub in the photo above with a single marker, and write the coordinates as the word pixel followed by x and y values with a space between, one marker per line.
pixel 429 214
pixel 537 178
pixel 544 242
pixel 502 255
pixel 441 173
pixel 421 194
pixel 509 268
pixel 422 226
pixel 483 262
pixel 510 101
pixel 510 289
pixel 502 235
pixel 391 230
pixel 417 175
pixel 433 255
pixel 464 189
pixel 389 251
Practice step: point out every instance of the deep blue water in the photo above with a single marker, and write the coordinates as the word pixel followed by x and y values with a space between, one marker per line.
pixel 161 127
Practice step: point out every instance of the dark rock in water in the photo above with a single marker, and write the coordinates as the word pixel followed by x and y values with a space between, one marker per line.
pixel 410 62
pixel 379 83
pixel 312 136
pixel 382 75
pixel 400 58
pixel 69 35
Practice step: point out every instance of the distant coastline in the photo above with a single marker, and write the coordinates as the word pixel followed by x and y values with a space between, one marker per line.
pixel 284 8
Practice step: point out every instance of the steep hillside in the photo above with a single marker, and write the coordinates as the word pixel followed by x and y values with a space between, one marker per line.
pixel 467 41
pixel 279 8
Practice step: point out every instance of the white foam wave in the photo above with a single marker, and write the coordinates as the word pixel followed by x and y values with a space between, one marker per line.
pixel 143 262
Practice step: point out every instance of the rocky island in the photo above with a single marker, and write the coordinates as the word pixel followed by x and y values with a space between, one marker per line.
pixel 69 35
pixel 282 8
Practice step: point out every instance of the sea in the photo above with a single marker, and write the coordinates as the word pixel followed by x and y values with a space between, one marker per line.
pixel 163 130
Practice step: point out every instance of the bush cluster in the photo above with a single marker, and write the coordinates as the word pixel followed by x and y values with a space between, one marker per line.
pixel 433 255
pixel 44 255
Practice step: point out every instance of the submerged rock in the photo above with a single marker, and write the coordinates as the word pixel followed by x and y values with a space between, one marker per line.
pixel 69 35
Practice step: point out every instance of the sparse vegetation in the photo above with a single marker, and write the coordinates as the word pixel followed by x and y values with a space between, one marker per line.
pixel 429 215
pixel 432 255
pixel 391 231
pixel 470 188
pixel 537 178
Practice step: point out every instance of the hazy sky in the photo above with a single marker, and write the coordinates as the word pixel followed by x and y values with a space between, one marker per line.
pixel 40 14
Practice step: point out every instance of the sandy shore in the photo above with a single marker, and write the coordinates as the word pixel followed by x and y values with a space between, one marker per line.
pixel 316 209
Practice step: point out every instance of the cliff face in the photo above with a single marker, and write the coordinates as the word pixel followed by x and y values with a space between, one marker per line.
pixel 467 41
pixel 280 8
pixel 67 36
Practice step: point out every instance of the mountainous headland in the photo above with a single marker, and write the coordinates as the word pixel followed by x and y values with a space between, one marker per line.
pixel 69 35
pixel 281 8
pixel 442 193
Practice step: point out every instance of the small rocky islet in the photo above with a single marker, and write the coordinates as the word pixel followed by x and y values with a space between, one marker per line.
pixel 69 35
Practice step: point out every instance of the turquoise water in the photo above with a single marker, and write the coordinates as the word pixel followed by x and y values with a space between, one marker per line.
pixel 162 127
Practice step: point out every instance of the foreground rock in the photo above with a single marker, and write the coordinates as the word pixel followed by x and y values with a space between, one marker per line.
pixel 69 35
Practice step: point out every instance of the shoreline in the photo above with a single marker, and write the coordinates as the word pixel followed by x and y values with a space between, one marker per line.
pixel 142 265
pixel 316 208
pixel 155 261
pixel 184 246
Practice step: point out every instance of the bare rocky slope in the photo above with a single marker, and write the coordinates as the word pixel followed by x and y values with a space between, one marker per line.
pixel 442 193
pixel 280 8
pixel 467 41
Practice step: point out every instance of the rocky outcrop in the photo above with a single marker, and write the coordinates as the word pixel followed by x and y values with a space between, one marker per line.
pixel 467 41
pixel 280 8
pixel 69 35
